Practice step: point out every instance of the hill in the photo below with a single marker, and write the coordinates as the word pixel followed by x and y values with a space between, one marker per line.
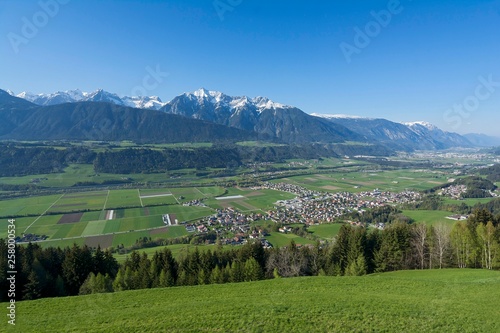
pixel 409 301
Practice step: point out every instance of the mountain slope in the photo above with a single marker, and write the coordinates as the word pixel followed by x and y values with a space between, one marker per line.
pixel 269 119
pixel 482 140
pixel 21 120
pixel 410 136
pixel 13 111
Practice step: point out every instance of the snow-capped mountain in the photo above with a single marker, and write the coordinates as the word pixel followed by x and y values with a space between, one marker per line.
pixel 272 120
pixel 417 125
pixel 73 96
pixel 259 114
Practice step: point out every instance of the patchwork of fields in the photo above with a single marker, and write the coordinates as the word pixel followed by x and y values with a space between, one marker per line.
pixel 114 217
pixel 111 218
pixel 394 181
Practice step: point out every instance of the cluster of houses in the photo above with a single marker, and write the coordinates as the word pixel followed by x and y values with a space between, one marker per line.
pixel 232 227
pixel 27 238
pixel 454 191
pixel 311 207
pixel 192 203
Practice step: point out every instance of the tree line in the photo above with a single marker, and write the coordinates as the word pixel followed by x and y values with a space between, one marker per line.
pixel 51 272
pixel 22 161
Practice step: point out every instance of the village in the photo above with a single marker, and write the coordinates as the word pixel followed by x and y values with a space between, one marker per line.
pixel 308 208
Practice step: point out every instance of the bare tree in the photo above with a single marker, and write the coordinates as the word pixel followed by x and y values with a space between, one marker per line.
pixel 486 234
pixel 289 261
pixel 441 233
pixel 419 243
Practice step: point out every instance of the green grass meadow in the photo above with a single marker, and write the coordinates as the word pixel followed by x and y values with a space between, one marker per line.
pixel 325 231
pixel 395 181
pixel 406 301
pixel 278 239
pixel 430 217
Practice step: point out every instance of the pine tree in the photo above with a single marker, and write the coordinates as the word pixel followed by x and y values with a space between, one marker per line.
pixel 216 275
pixel 252 270
pixel 88 285
pixel 236 274
pixel 357 267
pixel 202 277
pixel 32 288
pixel 119 282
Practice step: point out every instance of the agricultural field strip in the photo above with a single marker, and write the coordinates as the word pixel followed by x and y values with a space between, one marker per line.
pixel 175 197
pixel 231 197
pixel 156 195
pixel 106 201
pixel 43 213
pixel 140 197
pixel 88 236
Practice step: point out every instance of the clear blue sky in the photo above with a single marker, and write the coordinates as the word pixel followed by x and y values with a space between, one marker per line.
pixel 428 58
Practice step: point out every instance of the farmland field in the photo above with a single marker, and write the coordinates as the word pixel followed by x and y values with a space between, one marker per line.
pixel 325 231
pixel 279 239
pixel 469 202
pixel 27 206
pixel 395 181
pixel 406 301
pixel 79 201
pixel 430 217
pixel 123 198
pixel 178 250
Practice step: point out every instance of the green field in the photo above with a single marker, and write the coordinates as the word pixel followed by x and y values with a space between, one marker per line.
pixel 27 206
pixel 79 201
pixel 178 250
pixel 405 301
pixel 278 239
pixel 430 217
pixel 123 198
pixel 325 231
pixel 468 202
pixel 395 181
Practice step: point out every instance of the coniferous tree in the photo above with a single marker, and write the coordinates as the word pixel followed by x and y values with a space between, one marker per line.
pixel 236 274
pixel 32 289
pixel 76 267
pixel 252 270
pixel 393 252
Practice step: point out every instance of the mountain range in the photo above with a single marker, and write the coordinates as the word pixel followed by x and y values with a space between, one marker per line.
pixel 72 114
pixel 73 96
pixel 23 120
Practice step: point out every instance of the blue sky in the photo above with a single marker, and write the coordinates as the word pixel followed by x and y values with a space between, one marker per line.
pixel 420 60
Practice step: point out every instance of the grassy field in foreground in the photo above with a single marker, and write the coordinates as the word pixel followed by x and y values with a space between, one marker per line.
pixel 407 301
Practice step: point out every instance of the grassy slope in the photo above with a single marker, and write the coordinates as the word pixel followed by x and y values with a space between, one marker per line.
pixel 409 301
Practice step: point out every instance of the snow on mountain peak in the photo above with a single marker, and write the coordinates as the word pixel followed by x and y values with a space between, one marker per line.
pixel 210 95
pixel 421 123
pixel 337 116
pixel 99 95
pixel 265 103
